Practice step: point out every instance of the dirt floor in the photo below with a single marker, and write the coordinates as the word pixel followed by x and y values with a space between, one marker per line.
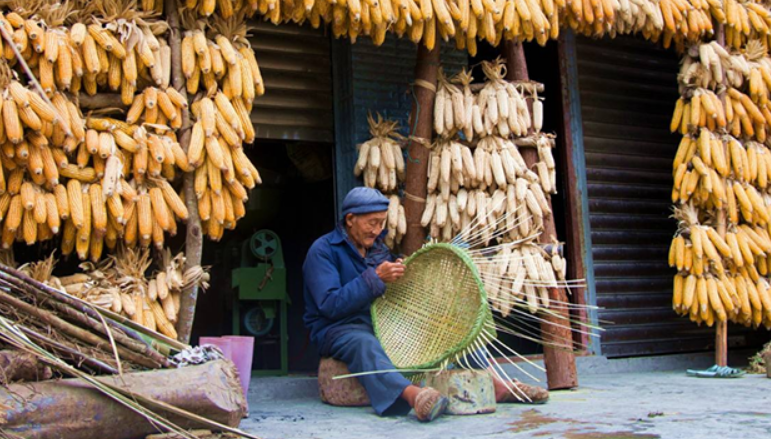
pixel 606 406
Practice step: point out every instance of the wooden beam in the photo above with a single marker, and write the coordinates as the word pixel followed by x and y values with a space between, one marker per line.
pixel 558 350
pixel 421 126
pixel 194 234
pixel 528 86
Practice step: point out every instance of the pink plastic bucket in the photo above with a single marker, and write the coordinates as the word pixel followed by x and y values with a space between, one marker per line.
pixel 242 348
pixel 225 345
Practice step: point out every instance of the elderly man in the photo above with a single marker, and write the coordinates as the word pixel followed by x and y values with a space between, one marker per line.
pixel 344 272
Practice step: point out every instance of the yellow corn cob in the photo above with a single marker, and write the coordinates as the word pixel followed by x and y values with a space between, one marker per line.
pixel 14 216
pixel 188 57
pixel 12 124
pixel 29 227
pixel 204 206
pixel 68 237
pixel 176 97
pixel 197 144
pixel 218 208
pixel 175 202
pixel 157 237
pixel 84 232
pixel 19 94
pixel 90 55
pixel 41 107
pixel 160 210
pixel 163 324
pixel 169 308
pixel 115 207
pixel 27 195
pixel 52 213
pixel 144 210
pixel 39 212
pixel 235 79
pixel 5 204
pixel 214 176
pixel 677 296
pixel 166 105
pixel 86 175
pixel 230 217
pixel 98 209
pixel 217 62
pixel 75 198
pixel 227 50
pixel 244 117
pixel 101 37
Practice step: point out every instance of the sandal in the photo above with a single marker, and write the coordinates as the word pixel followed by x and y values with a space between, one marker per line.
pixel 716 372
pixel 430 404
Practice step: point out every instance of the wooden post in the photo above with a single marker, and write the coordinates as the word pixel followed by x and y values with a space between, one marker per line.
pixel 721 328
pixel 421 126
pixel 194 235
pixel 559 360
pixel 571 163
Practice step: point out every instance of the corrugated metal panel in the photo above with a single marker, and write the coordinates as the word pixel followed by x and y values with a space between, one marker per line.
pixel 296 66
pixel 380 82
pixel 627 89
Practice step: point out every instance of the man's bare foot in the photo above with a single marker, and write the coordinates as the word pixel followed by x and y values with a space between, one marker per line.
pixel 410 393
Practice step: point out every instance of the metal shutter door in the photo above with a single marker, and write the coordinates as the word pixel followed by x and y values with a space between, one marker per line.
pixel 628 89
pixel 295 62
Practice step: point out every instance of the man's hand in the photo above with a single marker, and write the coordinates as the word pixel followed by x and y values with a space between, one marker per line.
pixel 390 271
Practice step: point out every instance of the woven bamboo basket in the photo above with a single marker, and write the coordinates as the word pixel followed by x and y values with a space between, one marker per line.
pixel 435 312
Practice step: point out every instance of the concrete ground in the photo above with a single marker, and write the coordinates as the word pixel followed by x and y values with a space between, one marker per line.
pixel 613 401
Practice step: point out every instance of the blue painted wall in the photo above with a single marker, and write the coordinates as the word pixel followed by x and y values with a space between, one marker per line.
pixel 376 79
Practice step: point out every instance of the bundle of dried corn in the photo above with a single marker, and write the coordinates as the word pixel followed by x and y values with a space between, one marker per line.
pixel 225 65
pixel 469 21
pixel 721 173
pixel 221 60
pixel 381 160
pixel 223 172
pixel 90 46
pixel 118 283
pixel 102 180
pixel 482 194
pixel 73 329
pixel 381 165
pixel 498 108
pixel 481 186
pixel 520 276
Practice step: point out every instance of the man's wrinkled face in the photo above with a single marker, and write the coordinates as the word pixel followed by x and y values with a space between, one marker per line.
pixel 364 229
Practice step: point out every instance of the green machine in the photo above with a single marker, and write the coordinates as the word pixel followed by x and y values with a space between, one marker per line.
pixel 262 295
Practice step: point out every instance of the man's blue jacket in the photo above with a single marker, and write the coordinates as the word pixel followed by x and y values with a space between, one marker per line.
pixel 340 284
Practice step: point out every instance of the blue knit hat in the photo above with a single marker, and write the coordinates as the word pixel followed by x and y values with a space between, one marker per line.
pixel 361 200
